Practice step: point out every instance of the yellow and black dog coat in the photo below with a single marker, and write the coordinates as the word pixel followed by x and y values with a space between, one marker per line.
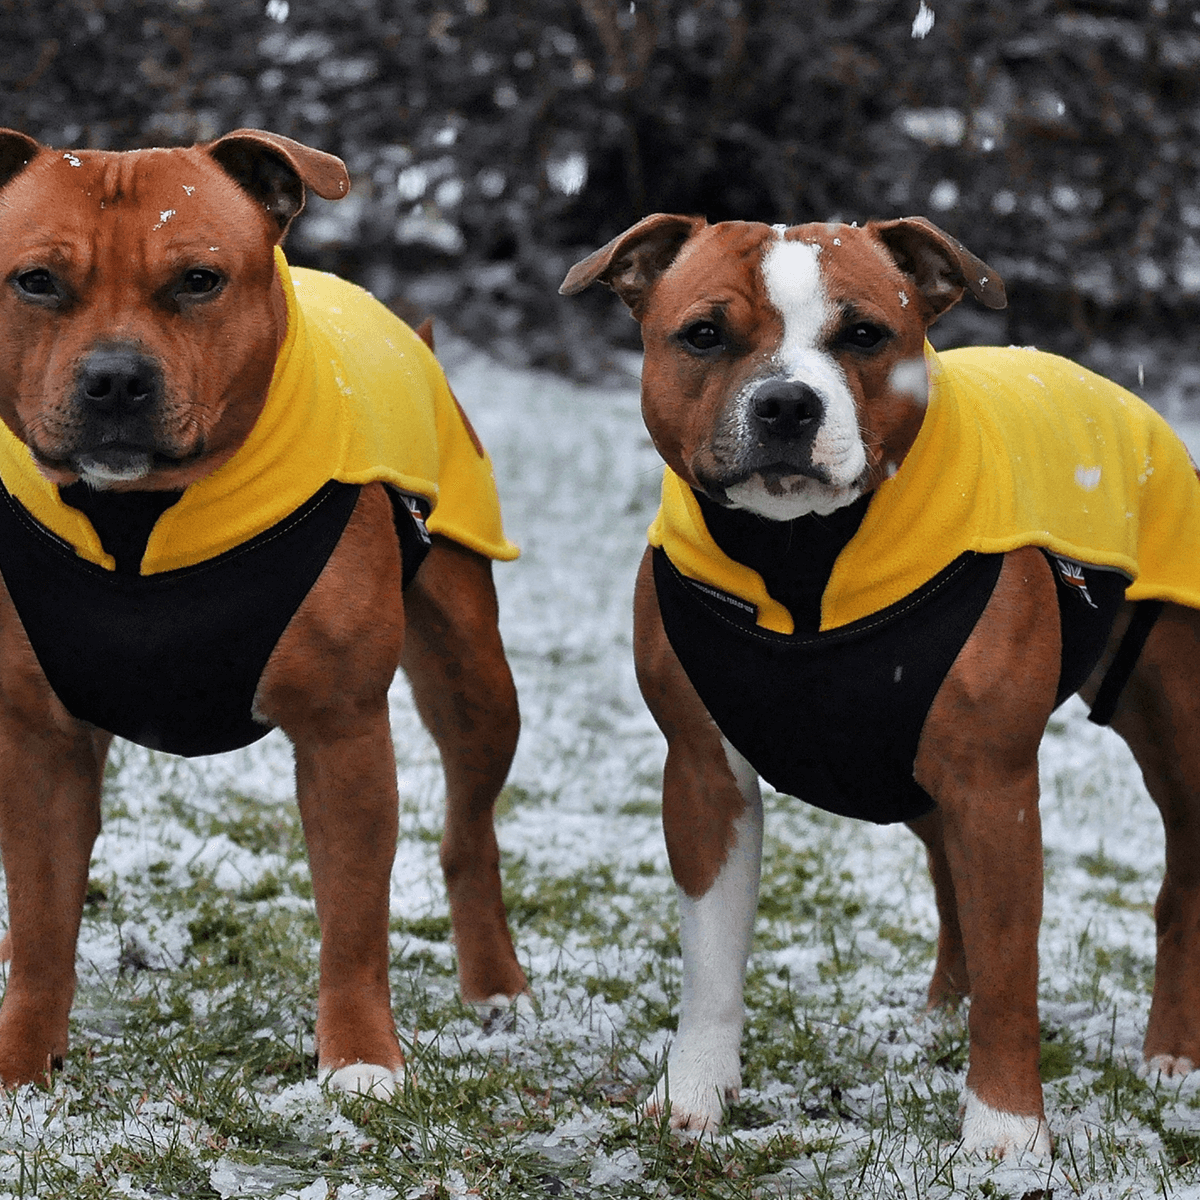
pixel 818 644
pixel 153 614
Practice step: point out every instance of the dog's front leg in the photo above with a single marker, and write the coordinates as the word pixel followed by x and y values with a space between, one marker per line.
pixel 346 787
pixel 50 772
pixel 326 687
pixel 715 931
pixel 978 759
pixel 712 818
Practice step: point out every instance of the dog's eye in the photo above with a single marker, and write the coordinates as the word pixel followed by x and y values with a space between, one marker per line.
pixel 38 282
pixel 703 335
pixel 199 281
pixel 862 335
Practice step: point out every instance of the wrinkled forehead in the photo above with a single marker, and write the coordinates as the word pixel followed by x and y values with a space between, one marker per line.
pixel 719 265
pixel 109 178
pixel 72 205
pixel 811 273
pixel 841 266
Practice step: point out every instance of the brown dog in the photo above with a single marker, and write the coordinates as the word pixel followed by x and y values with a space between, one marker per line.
pixel 875 571
pixel 209 510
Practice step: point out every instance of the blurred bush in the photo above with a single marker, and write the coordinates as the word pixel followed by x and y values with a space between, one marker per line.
pixel 493 142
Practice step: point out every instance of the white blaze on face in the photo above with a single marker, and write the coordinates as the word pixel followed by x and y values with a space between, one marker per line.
pixel 792 273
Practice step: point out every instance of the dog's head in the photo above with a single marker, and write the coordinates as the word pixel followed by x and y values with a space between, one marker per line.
pixel 784 367
pixel 140 302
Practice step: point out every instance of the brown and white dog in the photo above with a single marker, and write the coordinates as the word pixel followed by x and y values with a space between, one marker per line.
pixel 143 314
pixel 784 377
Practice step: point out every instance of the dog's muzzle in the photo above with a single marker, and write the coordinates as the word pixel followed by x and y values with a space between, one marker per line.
pixel 117 403
pixel 783 418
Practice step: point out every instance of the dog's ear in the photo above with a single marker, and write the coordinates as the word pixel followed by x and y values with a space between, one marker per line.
pixel 941 268
pixel 17 151
pixel 631 262
pixel 275 170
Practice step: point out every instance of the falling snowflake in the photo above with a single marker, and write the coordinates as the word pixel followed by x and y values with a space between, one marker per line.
pixel 923 21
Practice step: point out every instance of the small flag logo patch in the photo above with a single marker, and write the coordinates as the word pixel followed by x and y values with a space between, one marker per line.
pixel 1072 575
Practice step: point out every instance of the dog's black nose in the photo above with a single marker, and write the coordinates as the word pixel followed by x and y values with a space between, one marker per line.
pixel 118 379
pixel 786 408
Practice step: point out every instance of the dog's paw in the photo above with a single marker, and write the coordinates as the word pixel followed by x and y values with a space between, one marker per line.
pixel 1166 1066
pixel 701 1115
pixel 989 1131
pixel 361 1079
pixel 505 1014
pixel 695 1088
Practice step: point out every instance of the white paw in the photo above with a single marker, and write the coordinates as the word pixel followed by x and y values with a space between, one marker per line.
pixel 988 1131
pixel 505 1014
pixel 361 1079
pixel 695 1086
pixel 1166 1066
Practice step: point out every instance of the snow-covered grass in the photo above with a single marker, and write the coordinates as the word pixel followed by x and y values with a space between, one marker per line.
pixel 191 1071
